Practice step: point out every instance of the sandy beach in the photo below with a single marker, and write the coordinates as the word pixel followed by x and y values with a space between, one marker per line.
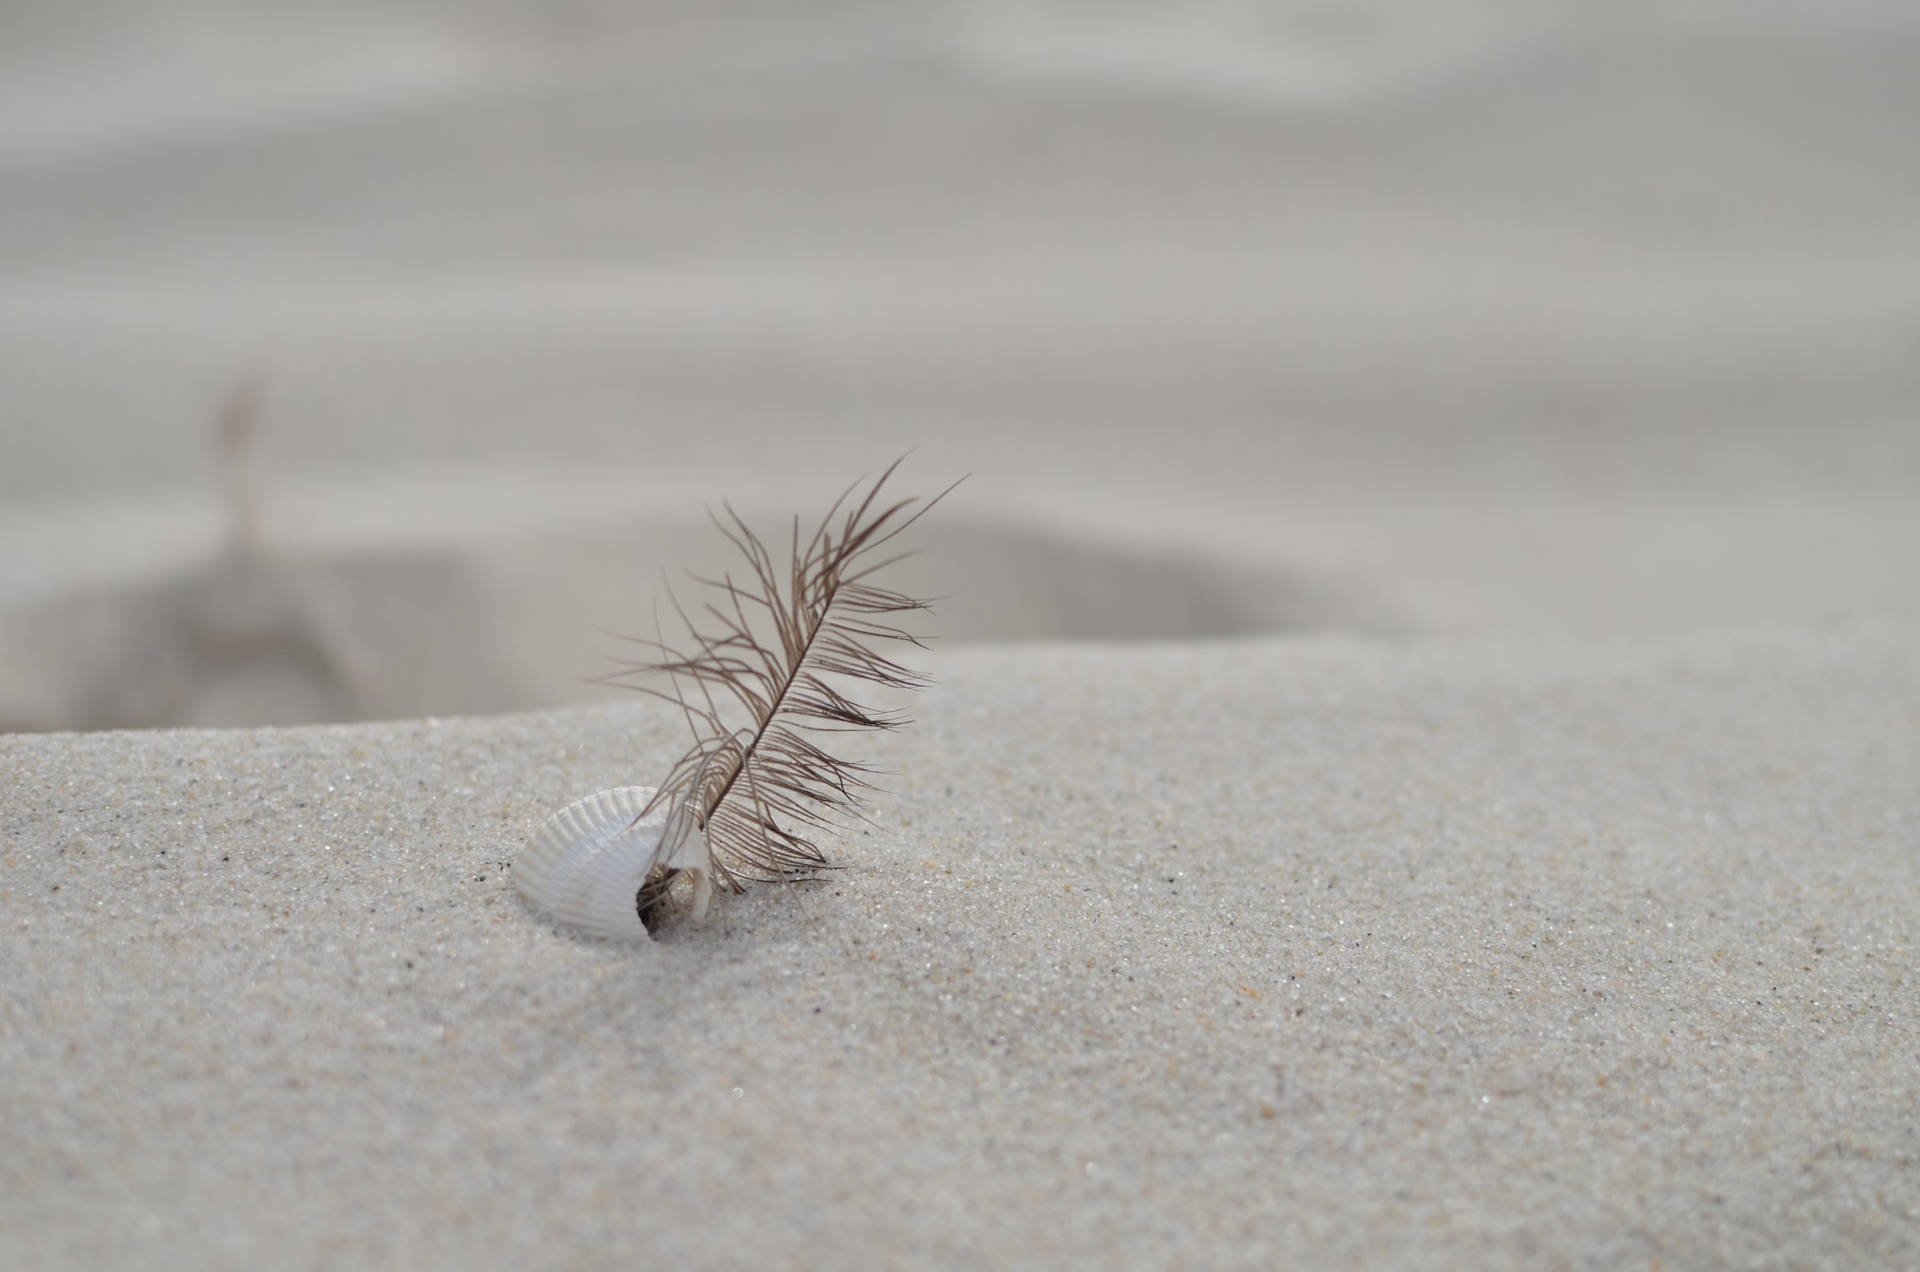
pixel 1423 768
pixel 1314 950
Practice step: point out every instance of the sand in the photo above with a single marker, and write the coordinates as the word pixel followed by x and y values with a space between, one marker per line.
pixel 1493 426
pixel 1335 951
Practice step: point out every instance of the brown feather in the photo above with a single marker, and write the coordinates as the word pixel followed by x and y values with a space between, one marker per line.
pixel 756 682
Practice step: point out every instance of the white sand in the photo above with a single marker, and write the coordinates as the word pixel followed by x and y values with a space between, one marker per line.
pixel 1560 911
pixel 1422 956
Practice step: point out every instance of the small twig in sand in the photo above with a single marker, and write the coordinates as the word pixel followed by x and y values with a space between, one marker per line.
pixel 236 434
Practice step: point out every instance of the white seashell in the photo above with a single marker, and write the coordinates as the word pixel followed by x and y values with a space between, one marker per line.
pixel 585 864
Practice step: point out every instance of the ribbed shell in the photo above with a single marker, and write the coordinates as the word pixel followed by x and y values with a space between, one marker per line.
pixel 585 863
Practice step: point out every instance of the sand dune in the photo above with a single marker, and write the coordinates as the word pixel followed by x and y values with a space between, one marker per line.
pixel 1327 951
pixel 1422 770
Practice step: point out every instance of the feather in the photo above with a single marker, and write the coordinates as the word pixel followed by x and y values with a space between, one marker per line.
pixel 764 677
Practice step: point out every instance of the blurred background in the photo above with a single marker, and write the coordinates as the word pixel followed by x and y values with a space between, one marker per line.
pixel 371 359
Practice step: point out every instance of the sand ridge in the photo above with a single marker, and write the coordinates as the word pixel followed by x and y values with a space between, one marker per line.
pixel 1349 952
